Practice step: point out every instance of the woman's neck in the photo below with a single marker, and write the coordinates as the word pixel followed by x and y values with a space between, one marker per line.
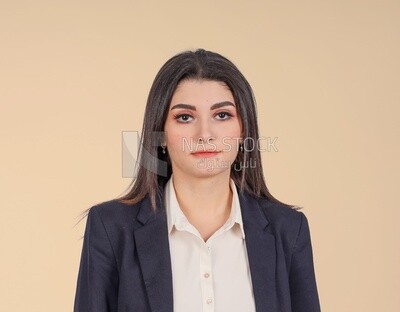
pixel 206 197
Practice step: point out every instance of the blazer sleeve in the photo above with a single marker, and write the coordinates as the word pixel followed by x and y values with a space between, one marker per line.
pixel 303 287
pixel 97 284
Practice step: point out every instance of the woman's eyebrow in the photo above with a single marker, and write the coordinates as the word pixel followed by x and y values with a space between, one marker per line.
pixel 187 106
pixel 221 104
pixel 214 106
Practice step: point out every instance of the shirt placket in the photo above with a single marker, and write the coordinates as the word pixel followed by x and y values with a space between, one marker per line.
pixel 206 277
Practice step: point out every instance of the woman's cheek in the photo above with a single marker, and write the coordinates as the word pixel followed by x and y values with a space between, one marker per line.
pixel 176 141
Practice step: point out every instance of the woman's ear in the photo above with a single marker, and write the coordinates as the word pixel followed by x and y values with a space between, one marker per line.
pixel 241 129
pixel 242 136
pixel 163 138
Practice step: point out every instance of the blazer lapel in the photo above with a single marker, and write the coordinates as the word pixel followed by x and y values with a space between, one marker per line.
pixel 260 247
pixel 151 238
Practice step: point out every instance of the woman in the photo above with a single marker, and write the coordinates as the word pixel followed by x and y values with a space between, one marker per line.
pixel 198 230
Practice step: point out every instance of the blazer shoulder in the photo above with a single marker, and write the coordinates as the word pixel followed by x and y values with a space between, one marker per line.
pixel 279 212
pixel 113 211
pixel 283 219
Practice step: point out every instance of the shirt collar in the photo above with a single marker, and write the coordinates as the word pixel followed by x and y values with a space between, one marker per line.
pixel 175 215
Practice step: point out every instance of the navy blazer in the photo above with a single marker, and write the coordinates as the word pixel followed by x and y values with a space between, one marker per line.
pixel 126 267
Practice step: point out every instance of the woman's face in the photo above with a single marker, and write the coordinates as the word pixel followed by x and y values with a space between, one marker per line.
pixel 203 129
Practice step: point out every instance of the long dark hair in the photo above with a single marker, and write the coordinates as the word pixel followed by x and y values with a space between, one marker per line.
pixel 154 167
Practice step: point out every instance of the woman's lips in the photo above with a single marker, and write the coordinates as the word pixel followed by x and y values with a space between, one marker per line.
pixel 205 153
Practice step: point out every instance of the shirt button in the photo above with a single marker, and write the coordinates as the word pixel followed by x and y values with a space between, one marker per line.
pixel 206 275
pixel 209 300
pixel 209 248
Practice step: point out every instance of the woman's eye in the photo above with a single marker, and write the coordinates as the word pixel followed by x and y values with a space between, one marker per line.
pixel 223 115
pixel 183 117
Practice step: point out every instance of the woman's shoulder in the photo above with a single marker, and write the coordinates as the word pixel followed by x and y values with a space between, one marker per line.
pixel 114 211
pixel 285 222
pixel 282 217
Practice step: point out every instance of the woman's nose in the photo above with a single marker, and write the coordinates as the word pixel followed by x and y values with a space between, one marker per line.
pixel 205 132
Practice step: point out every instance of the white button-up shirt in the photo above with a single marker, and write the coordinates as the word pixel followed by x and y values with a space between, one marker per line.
pixel 212 275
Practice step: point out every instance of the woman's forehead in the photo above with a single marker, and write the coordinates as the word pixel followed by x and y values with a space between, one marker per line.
pixel 202 90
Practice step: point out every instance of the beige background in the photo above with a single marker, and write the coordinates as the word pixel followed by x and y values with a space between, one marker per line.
pixel 75 74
